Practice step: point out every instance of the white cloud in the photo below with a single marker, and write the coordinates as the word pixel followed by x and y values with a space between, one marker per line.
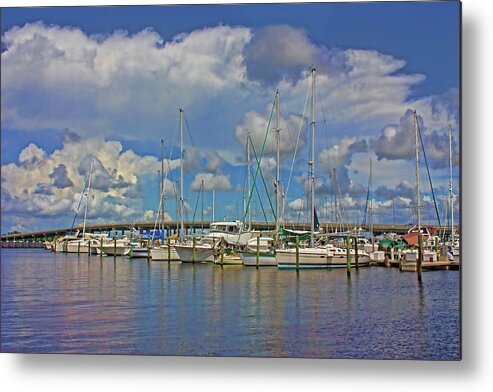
pixel 58 77
pixel 218 182
pixel 297 205
pixel 49 186
pixel 340 154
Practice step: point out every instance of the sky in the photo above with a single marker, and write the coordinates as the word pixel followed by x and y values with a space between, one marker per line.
pixel 105 84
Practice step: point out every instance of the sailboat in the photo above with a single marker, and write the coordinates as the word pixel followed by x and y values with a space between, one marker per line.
pixel 315 255
pixel 260 249
pixel 418 254
pixel 165 251
pixel 79 243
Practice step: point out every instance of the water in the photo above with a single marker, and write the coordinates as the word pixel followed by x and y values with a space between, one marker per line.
pixel 64 303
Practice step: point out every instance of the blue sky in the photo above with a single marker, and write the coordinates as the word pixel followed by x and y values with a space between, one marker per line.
pixel 107 82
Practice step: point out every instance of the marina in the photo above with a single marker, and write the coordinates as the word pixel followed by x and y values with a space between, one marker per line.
pixel 234 181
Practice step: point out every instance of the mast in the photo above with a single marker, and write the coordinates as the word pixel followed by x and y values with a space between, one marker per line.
pixel 87 198
pixel 161 194
pixel 418 190
pixel 450 188
pixel 213 204
pixel 370 209
pixel 182 225
pixel 248 178
pixel 202 198
pixel 312 162
pixel 278 159
pixel 418 199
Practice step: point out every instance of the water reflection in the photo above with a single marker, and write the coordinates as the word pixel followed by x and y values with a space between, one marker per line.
pixel 91 304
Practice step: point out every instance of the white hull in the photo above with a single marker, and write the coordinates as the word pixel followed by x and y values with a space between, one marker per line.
pixel 119 250
pixel 313 258
pixel 161 254
pixel 77 247
pixel 265 259
pixel 307 258
pixel 199 254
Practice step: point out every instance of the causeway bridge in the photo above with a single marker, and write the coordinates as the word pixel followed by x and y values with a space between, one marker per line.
pixel 191 227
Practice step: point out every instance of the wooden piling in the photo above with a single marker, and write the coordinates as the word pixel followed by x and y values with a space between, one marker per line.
pixel 356 252
pixel 169 249
pixel 420 257
pixel 101 247
pixel 193 249
pixel 114 246
pixel 348 256
pixel 297 253
pixel 78 248
pixel 258 251
pixel 222 252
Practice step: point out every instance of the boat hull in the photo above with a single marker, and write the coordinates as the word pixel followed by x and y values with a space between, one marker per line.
pixel 265 259
pixel 76 247
pixel 197 254
pixel 317 259
pixel 161 254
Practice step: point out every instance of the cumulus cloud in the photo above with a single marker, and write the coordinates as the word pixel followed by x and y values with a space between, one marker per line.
pixel 56 77
pixel 60 178
pixel 50 186
pixel 59 77
pixel 276 52
pixel 211 181
pixel 340 154
pixel 297 205
pixel 397 141
pixel 256 124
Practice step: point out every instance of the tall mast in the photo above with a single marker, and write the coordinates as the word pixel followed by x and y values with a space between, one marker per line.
pixel 182 225
pixel 161 193
pixel 87 198
pixel 248 178
pixel 450 188
pixel 278 159
pixel 370 207
pixel 202 198
pixel 213 204
pixel 418 190
pixel 312 162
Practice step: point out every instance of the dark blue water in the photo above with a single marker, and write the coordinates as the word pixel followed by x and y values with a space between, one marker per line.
pixel 59 303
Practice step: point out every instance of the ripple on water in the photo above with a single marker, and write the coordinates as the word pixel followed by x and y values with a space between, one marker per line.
pixel 59 303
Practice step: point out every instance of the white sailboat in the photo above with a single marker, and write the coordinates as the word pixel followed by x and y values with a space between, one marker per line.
pixel 81 244
pixel 311 256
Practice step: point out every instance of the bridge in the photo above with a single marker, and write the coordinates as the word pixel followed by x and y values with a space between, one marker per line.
pixel 191 227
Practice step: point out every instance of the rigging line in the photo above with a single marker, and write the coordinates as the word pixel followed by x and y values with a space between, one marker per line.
pixel 295 150
pixel 78 205
pixel 258 165
pixel 367 201
pixel 188 129
pixel 197 202
pixel 260 201
pixel 236 190
pixel 162 192
pixel 263 180
pixel 429 175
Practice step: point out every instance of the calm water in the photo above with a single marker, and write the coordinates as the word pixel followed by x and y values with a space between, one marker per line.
pixel 59 303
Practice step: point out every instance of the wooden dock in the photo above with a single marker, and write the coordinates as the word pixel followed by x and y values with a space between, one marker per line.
pixel 412 266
